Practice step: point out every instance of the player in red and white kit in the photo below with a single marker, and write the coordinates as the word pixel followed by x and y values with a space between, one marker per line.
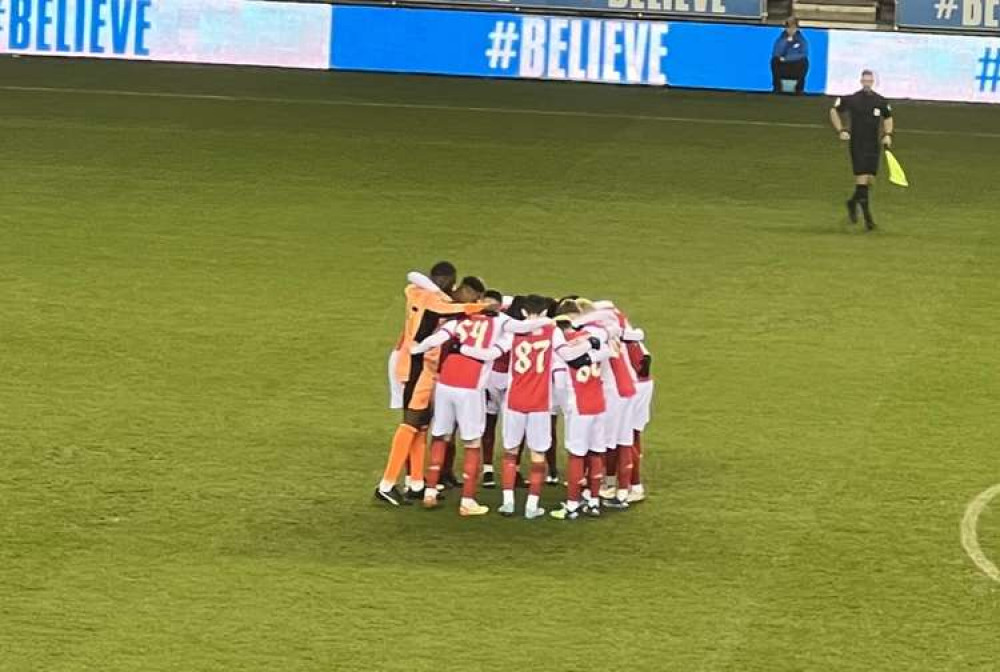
pixel 460 397
pixel 526 413
pixel 604 323
pixel 560 394
pixel 496 392
pixel 621 393
pixel 584 410
pixel 642 363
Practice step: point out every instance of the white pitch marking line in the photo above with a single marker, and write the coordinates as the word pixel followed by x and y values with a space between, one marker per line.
pixel 461 108
pixel 970 535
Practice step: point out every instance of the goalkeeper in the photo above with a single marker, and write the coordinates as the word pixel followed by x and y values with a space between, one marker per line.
pixel 870 127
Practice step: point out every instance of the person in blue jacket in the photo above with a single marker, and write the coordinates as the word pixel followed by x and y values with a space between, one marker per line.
pixel 790 57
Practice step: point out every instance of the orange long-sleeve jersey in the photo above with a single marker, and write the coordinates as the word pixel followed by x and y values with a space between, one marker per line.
pixel 424 310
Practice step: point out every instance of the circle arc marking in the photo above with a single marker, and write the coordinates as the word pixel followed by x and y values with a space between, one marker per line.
pixel 970 534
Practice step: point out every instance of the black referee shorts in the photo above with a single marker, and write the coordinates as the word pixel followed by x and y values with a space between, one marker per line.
pixel 865 159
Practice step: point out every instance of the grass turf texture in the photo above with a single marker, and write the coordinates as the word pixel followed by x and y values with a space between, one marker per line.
pixel 198 298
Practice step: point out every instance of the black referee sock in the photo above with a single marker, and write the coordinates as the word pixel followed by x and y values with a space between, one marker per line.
pixel 861 196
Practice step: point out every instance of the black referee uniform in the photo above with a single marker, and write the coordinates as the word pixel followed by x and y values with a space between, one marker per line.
pixel 866 112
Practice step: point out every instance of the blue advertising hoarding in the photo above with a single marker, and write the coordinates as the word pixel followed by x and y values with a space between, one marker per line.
pixel 234 32
pixel 962 68
pixel 610 51
pixel 968 15
pixel 704 9
pixel 487 44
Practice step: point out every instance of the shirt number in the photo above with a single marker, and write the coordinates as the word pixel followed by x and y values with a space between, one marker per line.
pixel 585 373
pixel 528 355
pixel 467 329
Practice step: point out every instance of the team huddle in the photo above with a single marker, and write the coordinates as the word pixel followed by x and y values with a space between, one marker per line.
pixel 469 360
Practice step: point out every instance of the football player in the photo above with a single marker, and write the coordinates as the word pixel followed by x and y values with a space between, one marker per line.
pixel 416 373
pixel 460 400
pixel 584 411
pixel 527 412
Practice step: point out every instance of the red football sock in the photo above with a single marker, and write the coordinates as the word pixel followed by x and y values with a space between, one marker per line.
pixel 537 478
pixel 489 439
pixel 509 474
pixel 625 467
pixel 448 467
pixel 550 456
pixel 470 471
pixel 574 482
pixel 596 475
pixel 611 462
pixel 636 458
pixel 438 449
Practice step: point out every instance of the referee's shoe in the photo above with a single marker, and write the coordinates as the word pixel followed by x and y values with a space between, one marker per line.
pixel 852 210
pixel 860 199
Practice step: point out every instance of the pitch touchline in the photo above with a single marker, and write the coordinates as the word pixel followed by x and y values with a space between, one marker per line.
pixel 460 108
pixel 970 535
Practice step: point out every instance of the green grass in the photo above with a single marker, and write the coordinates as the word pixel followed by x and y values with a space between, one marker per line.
pixel 197 300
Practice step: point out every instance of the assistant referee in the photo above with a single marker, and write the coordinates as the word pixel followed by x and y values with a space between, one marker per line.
pixel 869 129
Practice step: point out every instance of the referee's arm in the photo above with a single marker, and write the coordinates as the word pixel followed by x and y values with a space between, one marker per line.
pixel 838 121
pixel 888 126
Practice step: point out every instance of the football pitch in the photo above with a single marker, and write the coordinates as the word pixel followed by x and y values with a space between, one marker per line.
pixel 201 275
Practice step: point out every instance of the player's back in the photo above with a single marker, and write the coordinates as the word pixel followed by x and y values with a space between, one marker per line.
pixel 621 366
pixel 419 323
pixel 458 370
pixel 636 353
pixel 587 386
pixel 618 375
pixel 530 389
pixel 501 364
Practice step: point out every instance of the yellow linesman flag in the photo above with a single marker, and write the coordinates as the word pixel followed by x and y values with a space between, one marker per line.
pixel 896 174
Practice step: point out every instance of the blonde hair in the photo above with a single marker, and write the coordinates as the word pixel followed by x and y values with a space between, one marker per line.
pixel 568 307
